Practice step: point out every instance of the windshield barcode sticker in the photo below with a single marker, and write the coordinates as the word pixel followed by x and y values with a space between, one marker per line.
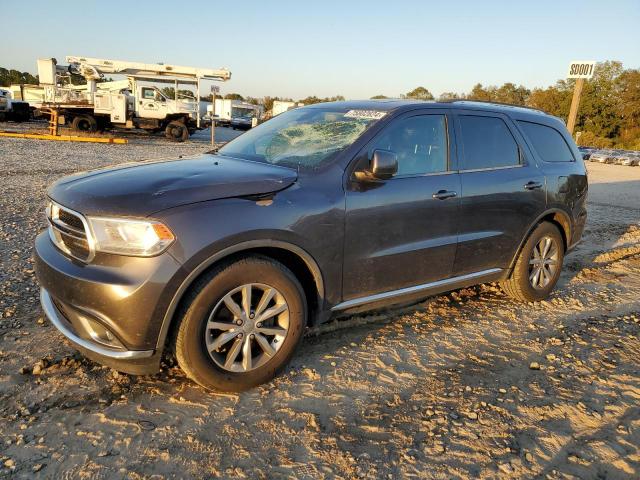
pixel 365 114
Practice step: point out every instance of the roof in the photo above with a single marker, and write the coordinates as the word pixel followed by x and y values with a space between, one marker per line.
pixel 389 104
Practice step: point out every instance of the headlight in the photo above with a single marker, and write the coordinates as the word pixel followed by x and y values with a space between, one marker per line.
pixel 139 238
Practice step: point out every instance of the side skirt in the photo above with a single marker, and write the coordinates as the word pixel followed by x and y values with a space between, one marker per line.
pixel 424 290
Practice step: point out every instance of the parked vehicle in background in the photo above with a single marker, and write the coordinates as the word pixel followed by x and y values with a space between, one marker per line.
pixel 32 94
pixel 586 152
pixel 242 122
pixel 281 106
pixel 600 156
pixel 11 109
pixel 631 160
pixel 226 110
pixel 618 158
pixel 611 156
pixel 136 104
pixel 226 258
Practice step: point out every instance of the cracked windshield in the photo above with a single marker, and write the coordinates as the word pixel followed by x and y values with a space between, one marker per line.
pixel 306 138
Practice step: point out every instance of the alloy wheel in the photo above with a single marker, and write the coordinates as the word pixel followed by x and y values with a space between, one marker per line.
pixel 247 327
pixel 543 263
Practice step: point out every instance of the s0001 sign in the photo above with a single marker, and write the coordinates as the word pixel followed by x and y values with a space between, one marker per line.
pixel 581 69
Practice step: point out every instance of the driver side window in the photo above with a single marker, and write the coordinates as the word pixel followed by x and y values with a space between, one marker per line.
pixel 148 93
pixel 420 143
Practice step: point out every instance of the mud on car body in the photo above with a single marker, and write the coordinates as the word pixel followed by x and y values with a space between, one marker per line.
pixel 226 258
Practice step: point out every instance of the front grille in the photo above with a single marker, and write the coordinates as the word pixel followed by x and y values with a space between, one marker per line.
pixel 71 219
pixel 68 232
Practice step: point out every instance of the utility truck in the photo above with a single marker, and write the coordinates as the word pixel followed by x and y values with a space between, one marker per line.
pixel 226 110
pixel 281 106
pixel 135 102
pixel 11 109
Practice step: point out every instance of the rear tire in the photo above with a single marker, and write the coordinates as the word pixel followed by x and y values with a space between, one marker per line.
pixel 176 131
pixel 84 123
pixel 538 266
pixel 229 348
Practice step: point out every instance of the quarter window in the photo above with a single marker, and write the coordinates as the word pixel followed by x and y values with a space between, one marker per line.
pixel 420 143
pixel 547 142
pixel 487 143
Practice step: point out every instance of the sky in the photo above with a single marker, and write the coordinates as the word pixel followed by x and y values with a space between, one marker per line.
pixel 352 48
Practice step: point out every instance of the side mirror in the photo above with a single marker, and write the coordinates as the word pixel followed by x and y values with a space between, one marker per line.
pixel 384 165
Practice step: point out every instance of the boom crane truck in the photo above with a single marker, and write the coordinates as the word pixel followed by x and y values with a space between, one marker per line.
pixel 138 104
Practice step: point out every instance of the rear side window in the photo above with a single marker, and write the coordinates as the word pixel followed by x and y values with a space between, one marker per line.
pixel 487 143
pixel 547 142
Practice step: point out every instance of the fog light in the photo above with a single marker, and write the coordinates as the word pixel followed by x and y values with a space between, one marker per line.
pixel 98 333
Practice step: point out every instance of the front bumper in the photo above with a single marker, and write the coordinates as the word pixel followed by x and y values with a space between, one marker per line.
pixel 136 362
pixel 126 297
pixel 65 326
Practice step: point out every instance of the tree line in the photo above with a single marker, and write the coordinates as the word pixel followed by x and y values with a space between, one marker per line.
pixel 267 102
pixel 609 113
pixel 11 77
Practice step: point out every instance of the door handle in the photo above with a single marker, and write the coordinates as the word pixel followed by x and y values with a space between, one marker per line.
pixel 444 194
pixel 532 185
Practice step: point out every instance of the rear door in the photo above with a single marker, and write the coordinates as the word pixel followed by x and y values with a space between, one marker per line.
pixel 503 191
pixel 402 232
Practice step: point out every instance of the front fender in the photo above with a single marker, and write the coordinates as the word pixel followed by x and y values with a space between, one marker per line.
pixel 225 253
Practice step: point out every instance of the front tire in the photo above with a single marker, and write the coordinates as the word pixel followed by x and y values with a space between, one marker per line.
pixel 176 131
pixel 538 266
pixel 241 324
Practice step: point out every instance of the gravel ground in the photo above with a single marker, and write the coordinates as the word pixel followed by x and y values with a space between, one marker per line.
pixel 465 385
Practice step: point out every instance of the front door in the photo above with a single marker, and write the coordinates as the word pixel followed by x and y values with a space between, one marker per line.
pixel 503 191
pixel 403 232
pixel 151 104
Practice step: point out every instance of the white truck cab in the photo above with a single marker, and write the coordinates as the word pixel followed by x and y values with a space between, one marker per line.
pixel 152 103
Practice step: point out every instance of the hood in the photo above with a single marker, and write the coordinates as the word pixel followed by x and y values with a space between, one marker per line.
pixel 142 189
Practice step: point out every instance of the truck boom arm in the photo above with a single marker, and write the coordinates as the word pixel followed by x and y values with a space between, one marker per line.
pixel 103 65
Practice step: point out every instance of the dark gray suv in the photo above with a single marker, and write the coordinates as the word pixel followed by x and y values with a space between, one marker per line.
pixel 224 259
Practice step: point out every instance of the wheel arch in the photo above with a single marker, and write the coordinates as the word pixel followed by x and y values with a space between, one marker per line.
pixel 298 260
pixel 555 216
pixel 180 117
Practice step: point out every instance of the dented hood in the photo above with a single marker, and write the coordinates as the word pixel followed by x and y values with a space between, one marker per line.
pixel 142 189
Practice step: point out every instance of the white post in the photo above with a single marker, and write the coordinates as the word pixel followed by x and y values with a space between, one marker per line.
pixel 213 116
pixel 198 104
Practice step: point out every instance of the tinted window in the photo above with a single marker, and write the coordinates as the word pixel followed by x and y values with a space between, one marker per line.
pixel 547 142
pixel 420 143
pixel 487 143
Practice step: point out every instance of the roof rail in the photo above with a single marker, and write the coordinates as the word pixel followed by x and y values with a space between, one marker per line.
pixel 505 104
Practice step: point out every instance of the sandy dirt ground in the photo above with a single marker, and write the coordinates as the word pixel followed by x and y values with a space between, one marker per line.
pixel 464 385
